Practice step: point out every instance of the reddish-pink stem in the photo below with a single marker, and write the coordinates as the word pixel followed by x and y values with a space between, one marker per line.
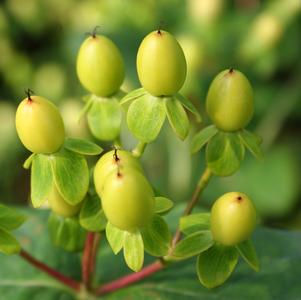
pixel 129 279
pixel 53 273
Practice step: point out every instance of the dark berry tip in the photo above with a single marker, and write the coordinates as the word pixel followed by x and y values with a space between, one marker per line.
pixel 231 70
pixel 29 92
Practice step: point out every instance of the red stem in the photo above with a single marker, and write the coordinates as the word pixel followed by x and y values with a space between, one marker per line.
pixel 73 284
pixel 129 279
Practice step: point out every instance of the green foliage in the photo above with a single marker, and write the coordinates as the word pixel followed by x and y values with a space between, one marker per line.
pixel 10 219
pixel 195 222
pixel 115 237
pixel 189 106
pixel 82 146
pixel 248 253
pixel 163 205
pixel 252 143
pixel 8 244
pixel 201 138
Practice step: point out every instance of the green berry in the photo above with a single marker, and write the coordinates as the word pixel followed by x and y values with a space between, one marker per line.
pixel 233 218
pixel 161 64
pixel 100 66
pixel 39 125
pixel 229 101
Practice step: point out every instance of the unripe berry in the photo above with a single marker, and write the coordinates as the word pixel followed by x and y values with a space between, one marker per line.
pixel 100 66
pixel 161 64
pixel 233 218
pixel 39 125
pixel 229 101
pixel 127 200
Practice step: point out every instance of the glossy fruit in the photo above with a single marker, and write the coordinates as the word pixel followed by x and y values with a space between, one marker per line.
pixel 233 218
pixel 100 66
pixel 161 64
pixel 229 101
pixel 39 125
pixel 127 200
pixel 108 164
pixel 60 206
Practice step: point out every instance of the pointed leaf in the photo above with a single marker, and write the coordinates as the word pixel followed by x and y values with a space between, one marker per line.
pixel 66 233
pixel 89 100
pixel 41 179
pixel 215 265
pixel 115 237
pixel 177 117
pixel 145 117
pixel 28 161
pixel 192 245
pixel 224 153
pixel 163 205
pixel 8 244
pixel 133 250
pixel 188 105
pixel 252 142
pixel 71 175
pixel 104 118
pixel 248 253
pixel 156 237
pixel 92 217
pixel 195 222
pixel 82 146
pixel 202 137
pixel 133 95
pixel 9 218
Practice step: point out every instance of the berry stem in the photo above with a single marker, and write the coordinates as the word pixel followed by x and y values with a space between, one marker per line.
pixel 160 263
pixel 130 279
pixel 139 149
pixel 73 284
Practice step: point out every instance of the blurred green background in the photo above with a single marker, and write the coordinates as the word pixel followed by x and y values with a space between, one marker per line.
pixel 39 40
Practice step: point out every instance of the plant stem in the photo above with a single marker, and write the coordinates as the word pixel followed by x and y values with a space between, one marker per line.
pixel 202 183
pixel 139 149
pixel 73 284
pixel 129 279
pixel 159 264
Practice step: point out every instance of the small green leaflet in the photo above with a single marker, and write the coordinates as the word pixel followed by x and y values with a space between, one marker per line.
pixel 71 175
pixel 82 146
pixel 28 161
pixel 194 223
pixel 192 245
pixel 215 265
pixel 248 253
pixel 177 117
pixel 41 179
pixel 115 237
pixel 8 244
pixel 66 233
pixel 224 153
pixel 145 117
pixel 133 250
pixel 156 237
pixel 133 95
pixel 201 138
pixel 92 217
pixel 189 106
pixel 252 143
pixel 163 205
pixel 10 219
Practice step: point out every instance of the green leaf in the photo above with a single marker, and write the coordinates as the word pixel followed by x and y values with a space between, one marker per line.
pixel 192 245
pixel 133 95
pixel 248 253
pixel 115 237
pixel 104 118
pixel 91 216
pixel 202 137
pixel 252 143
pixel 224 153
pixel 89 100
pixel 177 117
pixel 66 233
pixel 82 146
pixel 145 117
pixel 41 179
pixel 8 244
pixel 28 161
pixel 215 265
pixel 195 222
pixel 9 218
pixel 163 205
pixel 188 105
pixel 71 175
pixel 156 237
pixel 133 250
